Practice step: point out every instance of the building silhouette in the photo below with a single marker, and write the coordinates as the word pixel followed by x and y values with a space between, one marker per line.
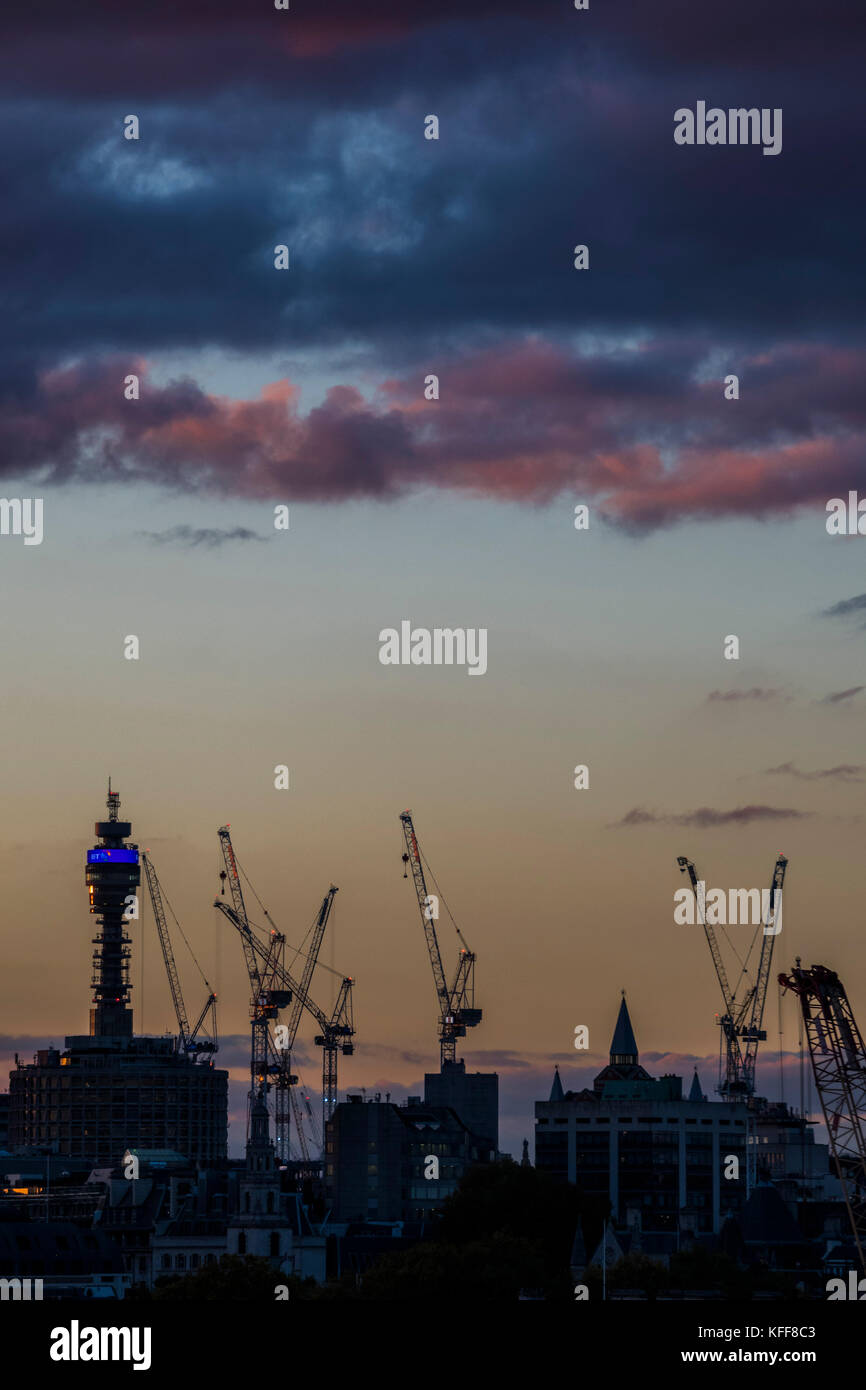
pixel 378 1156
pixel 110 1090
pixel 659 1158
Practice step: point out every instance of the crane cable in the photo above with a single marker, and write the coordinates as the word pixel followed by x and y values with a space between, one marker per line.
pixel 164 896
pixel 442 897
pixel 298 949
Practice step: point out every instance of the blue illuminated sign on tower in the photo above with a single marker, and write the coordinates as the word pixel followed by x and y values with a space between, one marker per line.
pixel 112 856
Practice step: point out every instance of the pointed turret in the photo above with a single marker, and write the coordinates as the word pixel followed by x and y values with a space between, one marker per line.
pixel 260 1148
pixel 696 1093
pixel 556 1091
pixel 623 1064
pixel 623 1049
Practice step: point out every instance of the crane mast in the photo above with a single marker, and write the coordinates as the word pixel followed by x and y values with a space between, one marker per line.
pixel 267 996
pixel 295 1104
pixel 341 1025
pixel 753 1032
pixel 286 1103
pixel 414 860
pixel 303 988
pixel 457 1010
pixel 838 1057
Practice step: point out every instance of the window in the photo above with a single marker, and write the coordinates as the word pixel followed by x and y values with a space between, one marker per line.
pixel 242 1244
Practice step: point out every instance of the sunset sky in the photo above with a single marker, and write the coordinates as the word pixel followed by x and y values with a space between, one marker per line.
pixel 557 387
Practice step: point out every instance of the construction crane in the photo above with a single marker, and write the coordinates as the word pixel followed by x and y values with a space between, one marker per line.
pixel 286 1099
pixel 337 1029
pixel 188 1038
pixel 839 1067
pixel 741 1023
pixel 457 1010
pixel 268 994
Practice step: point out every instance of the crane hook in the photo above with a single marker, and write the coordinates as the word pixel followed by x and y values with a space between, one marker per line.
pixel 405 862
pixel 223 881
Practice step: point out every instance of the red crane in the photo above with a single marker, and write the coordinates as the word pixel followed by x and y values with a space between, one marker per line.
pixel 839 1067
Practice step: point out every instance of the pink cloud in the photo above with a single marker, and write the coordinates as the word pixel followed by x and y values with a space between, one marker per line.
pixel 632 433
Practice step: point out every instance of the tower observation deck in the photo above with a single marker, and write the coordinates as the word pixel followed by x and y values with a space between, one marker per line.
pixel 112 876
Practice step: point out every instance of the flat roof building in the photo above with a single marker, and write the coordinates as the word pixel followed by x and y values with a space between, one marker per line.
pixel 396 1163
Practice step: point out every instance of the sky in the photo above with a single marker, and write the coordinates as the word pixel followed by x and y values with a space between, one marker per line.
pixel 558 387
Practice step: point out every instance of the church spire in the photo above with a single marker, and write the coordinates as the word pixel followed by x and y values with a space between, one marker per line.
pixel 623 1048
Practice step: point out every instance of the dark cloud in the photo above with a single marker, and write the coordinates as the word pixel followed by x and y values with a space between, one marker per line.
pixel 405 243
pixel 305 127
pixel 844 772
pixel 209 537
pixel 844 609
pixel 503 1059
pixel 211 43
pixel 756 693
pixel 837 696
pixel 705 818
pixel 637 816
pixel 181 437
pixel 25 1043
